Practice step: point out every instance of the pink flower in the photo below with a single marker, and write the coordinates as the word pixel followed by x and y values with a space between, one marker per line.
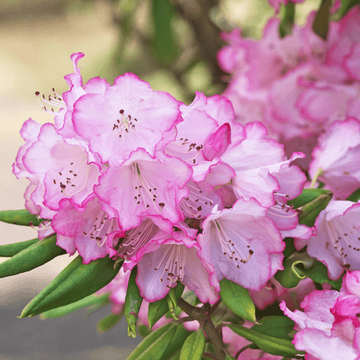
pixel 242 244
pixel 128 115
pixel 117 289
pixel 336 242
pixel 143 186
pixel 171 258
pixel 89 230
pixel 320 75
pixel 329 327
pixel 338 156
pixel 67 169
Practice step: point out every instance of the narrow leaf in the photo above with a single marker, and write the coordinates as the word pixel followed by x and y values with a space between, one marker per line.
pixel 172 303
pixel 237 299
pixel 108 322
pixel 74 283
pixel 311 211
pixel 177 341
pixel 90 300
pixel 155 344
pixel 355 196
pixel 278 326
pixel 133 302
pixel 20 217
pixel 194 346
pixel 159 308
pixel 319 274
pixel 10 250
pixel 307 196
pixel 267 343
pixel 37 254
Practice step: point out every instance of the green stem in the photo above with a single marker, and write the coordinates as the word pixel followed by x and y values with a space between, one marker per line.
pixel 321 22
pixel 202 315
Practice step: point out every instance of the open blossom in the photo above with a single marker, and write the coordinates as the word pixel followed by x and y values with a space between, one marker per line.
pixel 336 242
pixel 328 327
pixel 127 116
pixel 338 154
pixel 89 230
pixel 169 258
pixel 242 244
pixel 148 186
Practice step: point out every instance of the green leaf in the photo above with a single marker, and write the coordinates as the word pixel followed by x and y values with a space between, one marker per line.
pixel 194 346
pixel 291 276
pixel 159 308
pixel 10 250
pixel 133 302
pixel 355 196
pixel 278 326
pixel 289 248
pixel 90 300
pixel 177 341
pixel 321 22
pixel 172 303
pixel 155 344
pixel 319 274
pixel 307 196
pixel 31 257
pixel 311 211
pixel 267 343
pixel 165 44
pixel 75 282
pixel 108 322
pixel 287 22
pixel 20 217
pixel 345 6
pixel 237 299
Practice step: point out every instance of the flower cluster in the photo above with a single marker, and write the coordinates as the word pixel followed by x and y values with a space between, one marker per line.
pixel 298 86
pixel 329 327
pixel 183 192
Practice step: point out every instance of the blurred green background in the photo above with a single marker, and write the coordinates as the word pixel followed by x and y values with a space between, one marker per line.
pixel 171 44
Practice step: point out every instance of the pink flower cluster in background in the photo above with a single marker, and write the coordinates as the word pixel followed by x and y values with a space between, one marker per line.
pixel 329 327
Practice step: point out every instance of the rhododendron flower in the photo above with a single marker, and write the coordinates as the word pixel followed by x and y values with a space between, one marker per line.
pixel 128 115
pixel 171 258
pixel 89 230
pixel 338 155
pixel 148 186
pixel 242 244
pixel 329 327
pixel 296 85
pixel 336 242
